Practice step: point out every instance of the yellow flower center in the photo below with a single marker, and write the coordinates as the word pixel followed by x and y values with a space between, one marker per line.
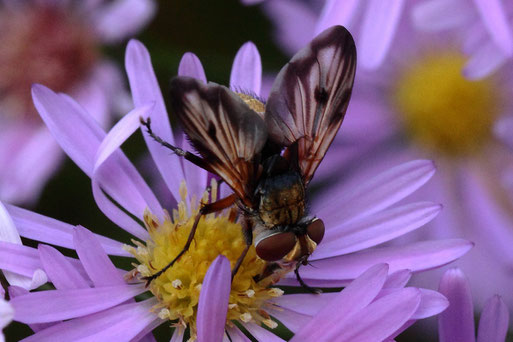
pixel 443 111
pixel 179 287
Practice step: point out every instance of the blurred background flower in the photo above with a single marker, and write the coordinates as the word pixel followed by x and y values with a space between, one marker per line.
pixel 57 43
pixel 429 85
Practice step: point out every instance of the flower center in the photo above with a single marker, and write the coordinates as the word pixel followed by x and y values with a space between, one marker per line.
pixel 45 44
pixel 179 287
pixel 443 111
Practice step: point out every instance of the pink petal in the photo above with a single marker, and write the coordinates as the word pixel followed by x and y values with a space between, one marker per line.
pixel 213 301
pixel 494 17
pixel 415 257
pixel 190 66
pixel 352 299
pixel 378 193
pixel 336 12
pixel 120 323
pixel 120 19
pixel 97 264
pixel 246 75
pixel 56 305
pixel 60 271
pixel 374 229
pixel 457 322
pixel 436 15
pixel 378 30
pixel 45 229
pixel 493 325
pixel 145 89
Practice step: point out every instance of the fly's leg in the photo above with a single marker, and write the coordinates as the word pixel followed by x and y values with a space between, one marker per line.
pixel 247 232
pixel 302 283
pixel 178 151
pixel 206 209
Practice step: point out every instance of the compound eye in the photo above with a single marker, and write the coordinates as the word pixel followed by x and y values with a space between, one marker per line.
pixel 315 230
pixel 272 246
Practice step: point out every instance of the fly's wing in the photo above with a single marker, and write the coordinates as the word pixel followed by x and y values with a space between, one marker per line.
pixel 309 97
pixel 222 128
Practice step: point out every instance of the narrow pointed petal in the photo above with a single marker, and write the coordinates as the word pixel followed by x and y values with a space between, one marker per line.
pixel 24 265
pixel 94 259
pixel 374 229
pixel 6 314
pixel 262 334
pixel 15 291
pixel 305 303
pixel 431 302
pixel 190 65
pixel 80 136
pixel 145 89
pixel 398 279
pixel 484 61
pixel 119 19
pixel 380 192
pixel 378 30
pixel 457 322
pixel 336 12
pixel 120 323
pixel 213 301
pixel 494 17
pixel 70 303
pixel 436 15
pixel 246 75
pixel 45 229
pixel 352 299
pixel 60 271
pixel 415 257
pixel 493 325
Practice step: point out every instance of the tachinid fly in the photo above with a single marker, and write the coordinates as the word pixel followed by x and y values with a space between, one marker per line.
pixel 268 154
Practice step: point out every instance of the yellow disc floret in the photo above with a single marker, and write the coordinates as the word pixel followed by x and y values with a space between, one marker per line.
pixel 179 287
pixel 442 110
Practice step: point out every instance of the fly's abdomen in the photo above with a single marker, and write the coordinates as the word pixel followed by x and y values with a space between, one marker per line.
pixel 282 200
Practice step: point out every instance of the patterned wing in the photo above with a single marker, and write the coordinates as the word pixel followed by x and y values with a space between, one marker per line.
pixel 222 128
pixel 310 96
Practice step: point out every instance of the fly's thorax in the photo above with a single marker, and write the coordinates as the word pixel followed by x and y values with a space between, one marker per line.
pixel 282 199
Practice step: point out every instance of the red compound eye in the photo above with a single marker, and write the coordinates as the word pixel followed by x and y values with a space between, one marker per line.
pixel 315 230
pixel 272 246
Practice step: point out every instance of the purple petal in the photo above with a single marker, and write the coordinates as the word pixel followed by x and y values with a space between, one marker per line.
pixel 145 89
pixel 24 262
pixel 415 257
pixel 121 323
pixel 352 299
pixel 236 335
pixel 45 229
pixel 80 136
pixel 337 12
pixel 397 279
pixel 431 303
pixel 190 65
pixel 303 303
pixel 503 129
pixel 120 19
pixel 246 75
pixel 436 15
pixel 56 305
pixel 484 61
pixel 94 259
pixel 15 291
pixel 457 322
pixel 378 193
pixel 292 320
pixel 213 301
pixel 6 314
pixel 493 325
pixel 123 129
pixel 494 17
pixel 60 271
pixel 374 229
pixel 261 334
pixel 378 30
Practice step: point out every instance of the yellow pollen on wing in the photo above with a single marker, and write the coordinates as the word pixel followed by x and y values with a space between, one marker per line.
pixel 179 287
pixel 443 111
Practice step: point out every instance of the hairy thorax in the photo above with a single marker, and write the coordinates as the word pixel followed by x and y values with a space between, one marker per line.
pixel 282 199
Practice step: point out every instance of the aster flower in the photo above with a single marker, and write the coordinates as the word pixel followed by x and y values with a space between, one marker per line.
pixel 56 43
pixel 368 218
pixel 419 105
pixel 457 322
pixel 485 27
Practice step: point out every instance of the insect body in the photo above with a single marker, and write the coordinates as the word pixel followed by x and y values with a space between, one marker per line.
pixel 268 153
